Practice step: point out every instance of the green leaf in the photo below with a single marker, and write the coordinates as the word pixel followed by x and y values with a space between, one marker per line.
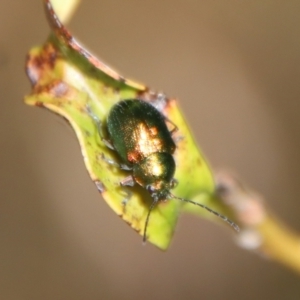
pixel 67 80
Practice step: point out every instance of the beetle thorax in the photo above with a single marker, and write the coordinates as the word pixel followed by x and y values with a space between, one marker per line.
pixel 155 173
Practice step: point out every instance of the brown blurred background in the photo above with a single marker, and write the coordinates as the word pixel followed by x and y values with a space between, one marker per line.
pixel 235 66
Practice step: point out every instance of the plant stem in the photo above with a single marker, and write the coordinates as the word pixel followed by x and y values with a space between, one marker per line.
pixel 260 230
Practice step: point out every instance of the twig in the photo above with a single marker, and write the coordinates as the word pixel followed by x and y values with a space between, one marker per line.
pixel 261 232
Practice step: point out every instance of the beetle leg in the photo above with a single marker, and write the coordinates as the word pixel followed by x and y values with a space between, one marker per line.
pixel 177 139
pixel 128 181
pixel 174 129
pixel 128 195
pixel 107 143
pixel 98 122
pixel 109 161
pixel 115 164
pixel 125 167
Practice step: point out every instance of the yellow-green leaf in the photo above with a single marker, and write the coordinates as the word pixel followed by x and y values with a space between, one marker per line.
pixel 68 80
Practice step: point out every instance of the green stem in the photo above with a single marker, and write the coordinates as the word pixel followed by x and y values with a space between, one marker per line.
pixel 260 232
pixel 279 243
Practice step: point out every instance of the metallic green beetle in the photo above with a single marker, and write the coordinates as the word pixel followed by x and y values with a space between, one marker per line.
pixel 139 134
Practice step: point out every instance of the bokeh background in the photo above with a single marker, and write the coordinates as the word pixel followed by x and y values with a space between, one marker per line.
pixel 235 66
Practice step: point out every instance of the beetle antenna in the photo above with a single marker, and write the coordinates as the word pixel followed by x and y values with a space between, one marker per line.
pixel 224 218
pixel 147 220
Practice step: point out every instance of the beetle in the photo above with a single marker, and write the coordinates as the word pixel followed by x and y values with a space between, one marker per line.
pixel 138 133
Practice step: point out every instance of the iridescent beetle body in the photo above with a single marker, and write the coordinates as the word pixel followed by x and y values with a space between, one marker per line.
pixel 138 133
